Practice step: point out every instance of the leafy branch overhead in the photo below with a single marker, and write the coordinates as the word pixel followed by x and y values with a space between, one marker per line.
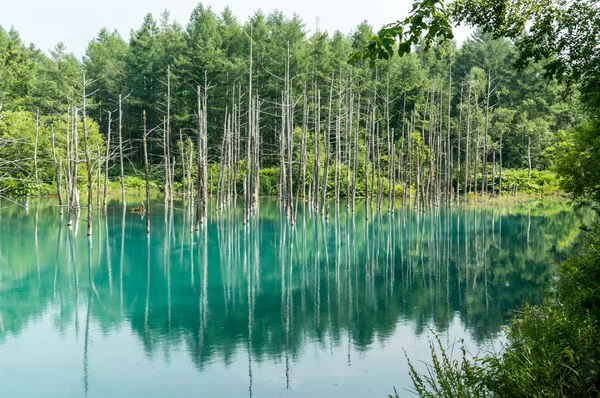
pixel 563 34
pixel 427 21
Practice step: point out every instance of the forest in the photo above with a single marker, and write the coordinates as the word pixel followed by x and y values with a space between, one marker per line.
pixel 216 115
pixel 270 107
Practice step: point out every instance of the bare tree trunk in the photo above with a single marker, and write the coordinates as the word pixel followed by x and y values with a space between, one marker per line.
pixel 484 181
pixel 327 143
pixel 301 183
pixel 338 152
pixel 372 134
pixel 69 171
pixel 431 145
pixel 57 171
pixel 467 187
pixel 379 183
pixel 448 168
pixel 146 169
pixel 73 180
pixel 476 144
pixel 35 146
pixel 355 163
pixel 256 122
pixel 248 191
pixel 205 149
pixel 500 175
pixel 458 131
pixel 75 188
pixel 172 174
pixel 367 150
pixel 317 164
pixel 401 166
pixel 529 157
pixel 223 160
pixel 410 133
pixel 107 159
pixel 87 162
pixel 390 148
pixel 98 175
pixel 438 191
pixel 283 194
pixel 183 165
pixel 349 140
pixel 289 127
pixel 190 187
pixel 121 151
pixel 166 162
pixel 237 117
pixel 168 194
pixel 494 174
pixel 201 173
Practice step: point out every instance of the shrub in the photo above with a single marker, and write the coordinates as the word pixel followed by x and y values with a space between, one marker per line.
pixel 550 353
pixel 14 188
pixel 134 182
pixel 269 181
pixel 448 377
pixel 543 182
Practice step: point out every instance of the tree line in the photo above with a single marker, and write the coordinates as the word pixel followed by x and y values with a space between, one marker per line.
pixel 270 107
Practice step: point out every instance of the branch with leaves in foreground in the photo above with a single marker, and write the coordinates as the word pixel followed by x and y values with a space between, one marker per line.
pixel 428 20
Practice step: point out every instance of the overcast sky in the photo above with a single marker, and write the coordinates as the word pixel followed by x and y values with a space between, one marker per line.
pixel 76 22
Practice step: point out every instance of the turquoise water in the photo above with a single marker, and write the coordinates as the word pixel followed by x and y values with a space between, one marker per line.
pixel 265 310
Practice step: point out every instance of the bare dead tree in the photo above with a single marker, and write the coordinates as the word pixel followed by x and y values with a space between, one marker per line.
pixel 87 161
pixel 146 169
pixel 106 160
pixel 123 200
pixel 57 173
pixel 35 146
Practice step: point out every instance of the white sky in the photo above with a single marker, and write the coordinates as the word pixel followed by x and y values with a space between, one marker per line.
pixel 75 22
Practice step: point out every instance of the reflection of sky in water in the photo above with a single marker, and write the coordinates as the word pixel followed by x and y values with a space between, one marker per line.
pixel 328 317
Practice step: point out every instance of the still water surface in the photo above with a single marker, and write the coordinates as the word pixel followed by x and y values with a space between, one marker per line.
pixel 264 310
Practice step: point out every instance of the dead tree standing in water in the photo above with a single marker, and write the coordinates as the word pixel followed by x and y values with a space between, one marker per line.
pixel 106 160
pixel 146 168
pixel 121 151
pixel 327 143
pixel 87 162
pixel 57 173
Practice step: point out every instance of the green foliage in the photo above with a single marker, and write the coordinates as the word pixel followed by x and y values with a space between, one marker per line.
pixel 427 21
pixel 551 350
pixel 216 47
pixel 580 277
pixel 17 151
pixel 563 34
pixel 134 182
pixel 542 182
pixel 269 181
pixel 16 188
pixel 578 161
pixel 448 377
